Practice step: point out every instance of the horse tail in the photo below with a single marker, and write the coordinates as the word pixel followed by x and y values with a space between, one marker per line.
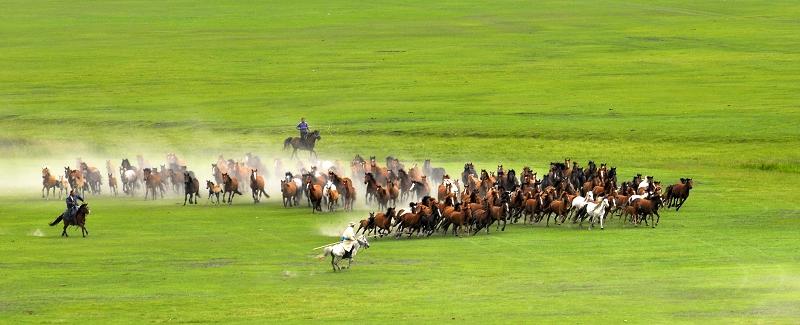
pixel 325 252
pixel 286 143
pixel 55 222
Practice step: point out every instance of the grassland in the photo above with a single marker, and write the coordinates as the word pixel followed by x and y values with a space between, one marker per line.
pixel 707 90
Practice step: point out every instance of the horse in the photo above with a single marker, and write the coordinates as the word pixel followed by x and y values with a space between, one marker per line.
pixel 152 179
pixel 79 220
pixel 63 185
pixel 678 193
pixel 92 176
pixel 257 186
pixel 596 211
pixel 112 183
pixel 129 181
pixel 420 188
pixel 191 188
pixel 382 197
pixel 303 144
pixel 456 218
pixel 76 180
pixel 289 193
pixel 367 225
pixel 558 206
pixel 383 221
pixel 49 181
pixel 231 187
pixel 337 252
pixel 213 189
pixel 314 196
pixel 332 196
pixel 649 207
pixel 394 192
pixel 371 187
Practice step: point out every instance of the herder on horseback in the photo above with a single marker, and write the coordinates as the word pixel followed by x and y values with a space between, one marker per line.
pixel 306 141
pixel 72 208
pixel 303 127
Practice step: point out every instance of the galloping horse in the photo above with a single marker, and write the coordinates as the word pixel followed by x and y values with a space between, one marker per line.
pixel 79 220
pixel 303 144
pixel 49 181
pixel 337 252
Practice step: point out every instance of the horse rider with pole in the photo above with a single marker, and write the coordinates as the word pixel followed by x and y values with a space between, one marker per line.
pixel 347 240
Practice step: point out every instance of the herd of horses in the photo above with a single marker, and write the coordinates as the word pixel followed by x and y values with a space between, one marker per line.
pixel 431 200
pixel 155 181
pixel 476 201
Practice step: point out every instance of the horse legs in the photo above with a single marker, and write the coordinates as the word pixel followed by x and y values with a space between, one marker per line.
pixel 333 262
pixel 678 208
pixel 185 196
pixel 64 231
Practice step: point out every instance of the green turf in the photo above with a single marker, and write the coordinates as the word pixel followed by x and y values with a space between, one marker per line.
pixel 675 89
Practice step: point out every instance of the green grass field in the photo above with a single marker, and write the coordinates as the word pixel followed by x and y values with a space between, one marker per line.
pixel 675 89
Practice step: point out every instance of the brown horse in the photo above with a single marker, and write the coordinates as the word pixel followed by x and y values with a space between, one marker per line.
pixel 333 199
pixel 257 186
pixel 383 221
pixel 79 220
pixel 75 179
pixel 231 187
pixel 112 183
pixel 456 218
pixel 382 196
pixel 289 193
pixel 367 226
pixel 152 180
pixel 559 207
pixel 649 207
pixel 678 193
pixel 49 181
pixel 314 196
pixel 213 189
pixel 394 192
pixel 303 144
pixel 371 187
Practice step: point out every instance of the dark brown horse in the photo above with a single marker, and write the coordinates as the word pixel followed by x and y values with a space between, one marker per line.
pixel 79 220
pixel 383 221
pixel 230 187
pixel 306 144
pixel 678 193
pixel 649 207
pixel 191 188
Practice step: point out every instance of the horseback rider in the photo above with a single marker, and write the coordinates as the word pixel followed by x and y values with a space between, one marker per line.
pixel 72 206
pixel 303 127
pixel 349 239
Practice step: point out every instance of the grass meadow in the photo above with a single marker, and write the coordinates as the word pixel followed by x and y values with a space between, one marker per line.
pixel 707 90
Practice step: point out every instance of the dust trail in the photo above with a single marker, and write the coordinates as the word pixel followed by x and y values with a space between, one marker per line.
pixel 37 233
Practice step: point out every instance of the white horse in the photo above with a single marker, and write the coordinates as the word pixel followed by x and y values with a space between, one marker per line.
pixel 337 252
pixel 597 211
pixel 580 201
pixel 129 181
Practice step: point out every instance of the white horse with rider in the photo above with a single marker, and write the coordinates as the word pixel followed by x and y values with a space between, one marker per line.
pixel 339 252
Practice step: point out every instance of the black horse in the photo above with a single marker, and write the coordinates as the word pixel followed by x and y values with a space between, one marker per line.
pixel 303 144
pixel 79 220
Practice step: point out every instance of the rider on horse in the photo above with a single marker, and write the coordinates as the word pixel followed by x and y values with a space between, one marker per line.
pixel 349 239
pixel 303 127
pixel 72 207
